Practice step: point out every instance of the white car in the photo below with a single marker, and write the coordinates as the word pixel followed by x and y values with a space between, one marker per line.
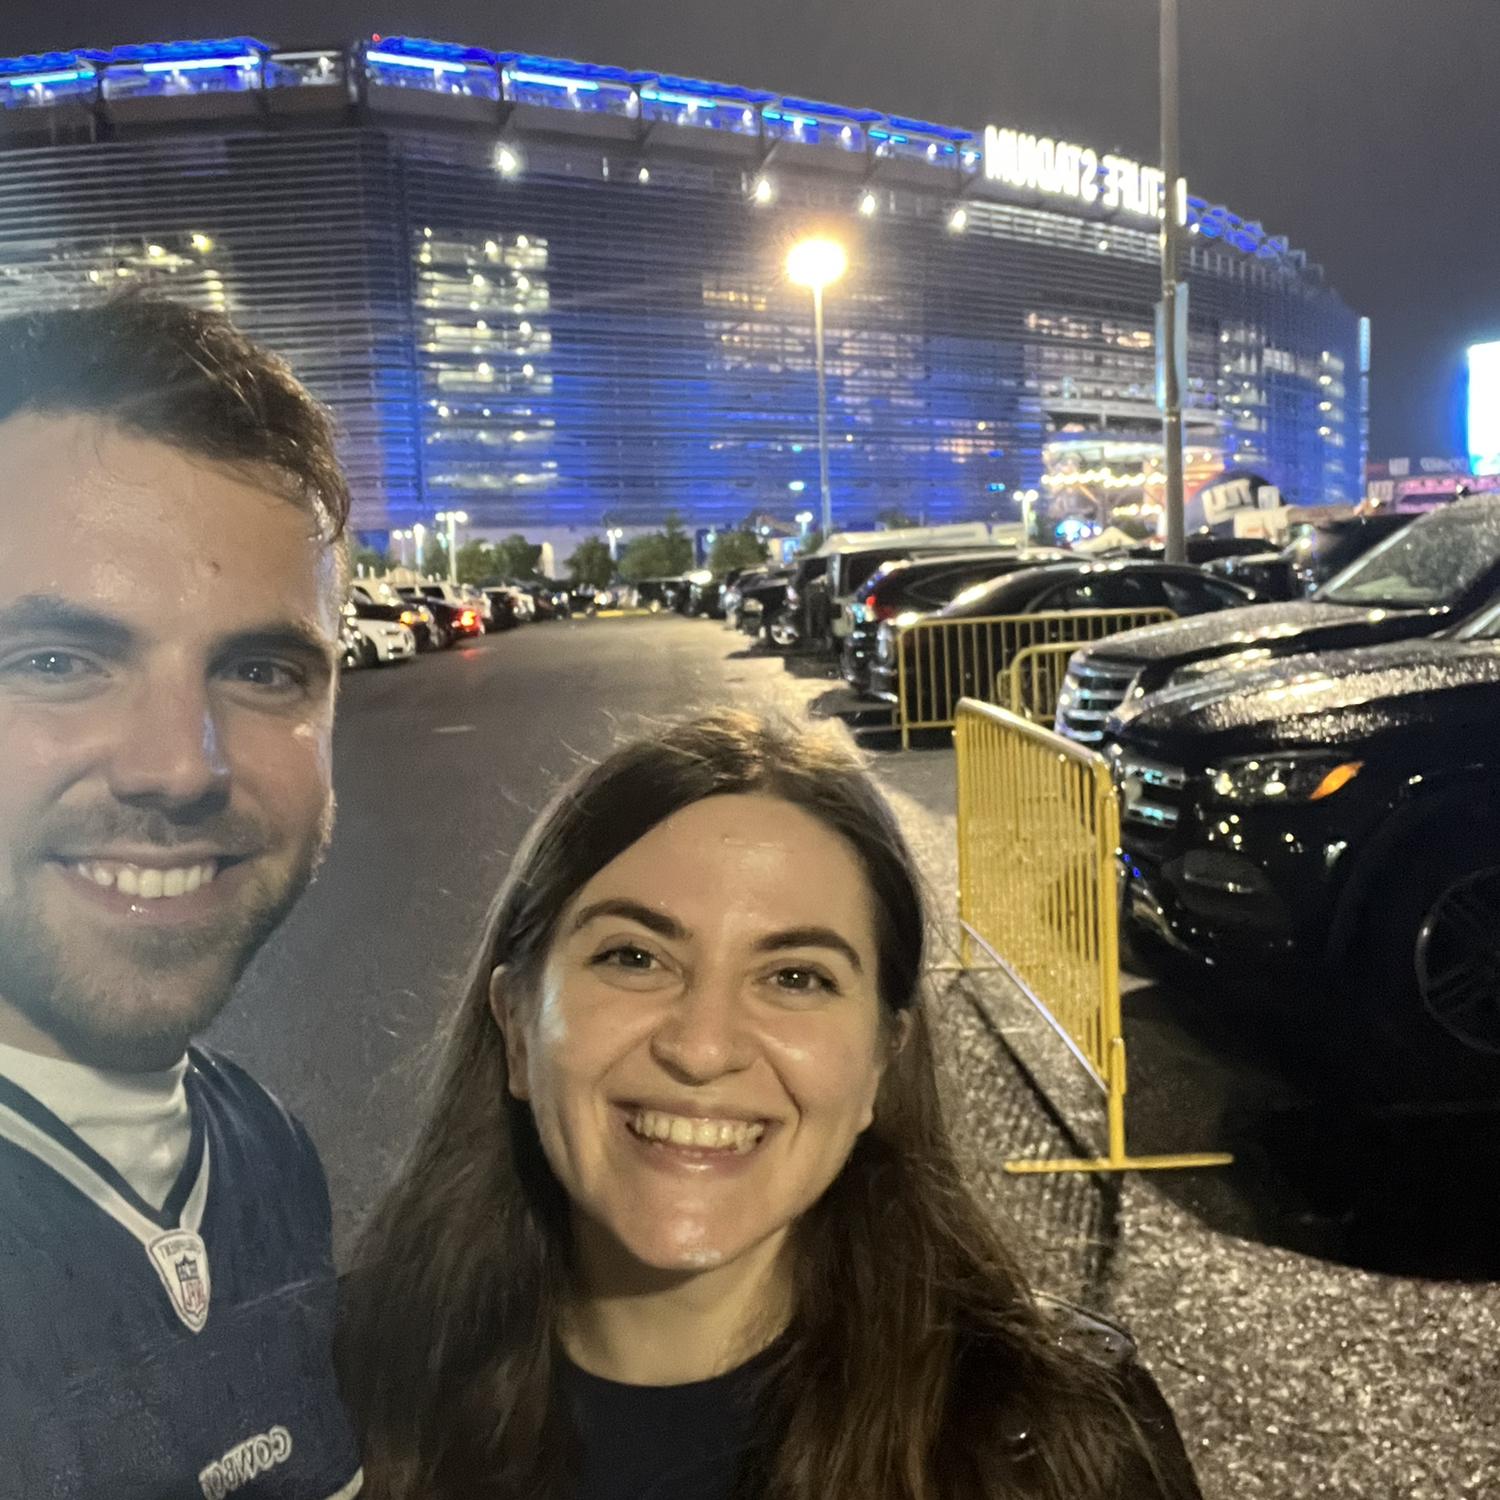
pixel 384 640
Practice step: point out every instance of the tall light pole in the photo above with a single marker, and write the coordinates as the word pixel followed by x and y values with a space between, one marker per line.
pixel 816 264
pixel 1171 376
pixel 452 519
pixel 418 543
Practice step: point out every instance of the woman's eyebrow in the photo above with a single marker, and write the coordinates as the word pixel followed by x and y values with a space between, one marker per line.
pixel 811 937
pixel 632 911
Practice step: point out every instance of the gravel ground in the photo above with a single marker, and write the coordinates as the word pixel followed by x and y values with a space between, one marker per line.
pixel 1290 1375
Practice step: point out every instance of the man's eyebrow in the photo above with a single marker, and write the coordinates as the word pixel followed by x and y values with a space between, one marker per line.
pixel 276 640
pixel 46 614
pixel 811 937
pixel 632 911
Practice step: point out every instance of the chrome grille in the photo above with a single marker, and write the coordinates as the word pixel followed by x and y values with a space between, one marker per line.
pixel 1150 791
pixel 1091 692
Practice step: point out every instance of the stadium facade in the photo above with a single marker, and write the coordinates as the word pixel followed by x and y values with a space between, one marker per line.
pixel 552 295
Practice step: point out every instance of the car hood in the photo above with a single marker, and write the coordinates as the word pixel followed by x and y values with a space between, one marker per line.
pixel 1323 697
pixel 1266 629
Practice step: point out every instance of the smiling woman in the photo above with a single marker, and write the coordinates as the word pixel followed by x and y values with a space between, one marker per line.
pixel 685 1222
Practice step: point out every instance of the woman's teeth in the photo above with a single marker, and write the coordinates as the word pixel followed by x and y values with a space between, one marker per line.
pixel 738 1136
pixel 147 881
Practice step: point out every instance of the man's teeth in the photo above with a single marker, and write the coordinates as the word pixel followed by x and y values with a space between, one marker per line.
pixel 702 1135
pixel 147 881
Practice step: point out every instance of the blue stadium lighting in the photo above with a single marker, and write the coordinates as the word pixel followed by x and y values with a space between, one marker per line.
pixel 222 48
pixel 34 80
pixel 1484 408
pixel 553 81
pixel 193 64
pixel 426 64
pixel 659 96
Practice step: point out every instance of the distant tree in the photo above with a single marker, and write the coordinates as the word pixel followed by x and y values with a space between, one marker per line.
pixel 735 549
pixel 434 559
pixel 649 556
pixel 475 562
pixel 515 557
pixel 369 563
pixel 810 543
pixel 895 519
pixel 591 566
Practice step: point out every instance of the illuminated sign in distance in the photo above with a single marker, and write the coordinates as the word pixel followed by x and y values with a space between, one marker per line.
pixel 1060 169
pixel 1484 407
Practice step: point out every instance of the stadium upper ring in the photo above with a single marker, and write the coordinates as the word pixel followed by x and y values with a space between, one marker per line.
pixel 498 85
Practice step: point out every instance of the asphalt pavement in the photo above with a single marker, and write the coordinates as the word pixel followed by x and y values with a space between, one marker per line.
pixel 1300 1310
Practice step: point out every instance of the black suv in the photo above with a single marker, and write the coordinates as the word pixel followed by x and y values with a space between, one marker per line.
pixel 918 586
pixel 1313 555
pixel 1335 817
pixel 1420 581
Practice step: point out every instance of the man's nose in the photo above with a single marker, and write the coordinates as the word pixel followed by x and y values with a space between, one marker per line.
pixel 168 753
pixel 704 1037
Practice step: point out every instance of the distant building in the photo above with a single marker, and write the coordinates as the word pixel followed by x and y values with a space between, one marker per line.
pixel 549 293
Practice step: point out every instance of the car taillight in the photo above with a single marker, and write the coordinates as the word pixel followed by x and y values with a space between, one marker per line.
pixel 468 617
pixel 879 611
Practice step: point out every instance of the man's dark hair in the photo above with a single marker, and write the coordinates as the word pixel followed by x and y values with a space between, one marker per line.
pixel 183 376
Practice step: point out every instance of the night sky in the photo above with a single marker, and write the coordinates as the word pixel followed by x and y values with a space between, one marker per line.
pixel 1367 131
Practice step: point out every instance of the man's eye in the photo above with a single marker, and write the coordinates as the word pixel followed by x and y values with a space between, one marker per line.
pixel 268 674
pixel 53 666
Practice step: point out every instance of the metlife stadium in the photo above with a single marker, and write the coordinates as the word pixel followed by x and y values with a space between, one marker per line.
pixel 553 294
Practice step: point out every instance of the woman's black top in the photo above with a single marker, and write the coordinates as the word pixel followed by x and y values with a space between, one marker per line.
pixel 689 1442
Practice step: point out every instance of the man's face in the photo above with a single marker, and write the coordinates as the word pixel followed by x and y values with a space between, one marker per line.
pixel 167 632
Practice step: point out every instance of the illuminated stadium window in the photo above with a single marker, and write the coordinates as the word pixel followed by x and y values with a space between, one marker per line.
pixel 807 124
pixel 390 65
pixel 290 70
pixel 683 101
pixel 32 82
pixel 554 84
pixel 177 69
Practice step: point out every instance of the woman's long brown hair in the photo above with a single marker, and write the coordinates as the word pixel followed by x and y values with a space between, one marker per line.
pixel 917 1365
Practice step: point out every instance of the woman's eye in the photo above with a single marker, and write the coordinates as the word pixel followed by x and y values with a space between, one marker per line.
pixel 636 960
pixel 799 981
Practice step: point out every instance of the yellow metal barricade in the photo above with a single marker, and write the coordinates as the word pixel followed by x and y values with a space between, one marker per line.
pixel 1038 835
pixel 940 661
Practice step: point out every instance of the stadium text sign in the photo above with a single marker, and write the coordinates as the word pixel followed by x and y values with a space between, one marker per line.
pixel 1059 169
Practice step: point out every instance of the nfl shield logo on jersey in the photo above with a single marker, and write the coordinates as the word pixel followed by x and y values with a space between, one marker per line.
pixel 181 1260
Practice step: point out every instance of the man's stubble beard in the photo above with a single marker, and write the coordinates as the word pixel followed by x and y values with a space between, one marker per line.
pixel 113 1019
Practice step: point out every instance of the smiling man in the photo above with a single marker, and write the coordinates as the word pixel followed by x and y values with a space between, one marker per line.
pixel 171 570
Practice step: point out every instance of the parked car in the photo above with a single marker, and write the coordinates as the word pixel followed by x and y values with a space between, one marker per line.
pixel 1313 556
pixel 371 603
pixel 1200 548
pixel 351 642
pixel 906 590
pixel 734 593
pixel 383 641
pixel 1419 581
pixel 1334 814
pixel 459 621
pixel 1079 584
pixel 503 614
pixel 658 594
pixel 762 600
pixel 704 599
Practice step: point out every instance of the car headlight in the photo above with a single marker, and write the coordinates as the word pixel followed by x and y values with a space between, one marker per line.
pixel 1283 778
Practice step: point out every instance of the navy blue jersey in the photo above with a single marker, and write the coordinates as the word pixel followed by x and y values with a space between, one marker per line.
pixel 174 1354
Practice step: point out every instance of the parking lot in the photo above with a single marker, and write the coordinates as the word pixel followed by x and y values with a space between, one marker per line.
pixel 1301 1309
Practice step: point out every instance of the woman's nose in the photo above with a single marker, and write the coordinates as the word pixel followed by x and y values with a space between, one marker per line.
pixel 704 1036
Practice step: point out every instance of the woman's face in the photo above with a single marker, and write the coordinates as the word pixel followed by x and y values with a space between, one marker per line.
pixel 706 1042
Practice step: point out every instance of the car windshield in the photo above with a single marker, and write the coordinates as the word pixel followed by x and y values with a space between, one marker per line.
pixel 1430 563
pixel 1485 626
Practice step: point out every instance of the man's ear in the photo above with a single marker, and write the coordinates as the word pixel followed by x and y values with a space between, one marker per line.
pixel 505 1010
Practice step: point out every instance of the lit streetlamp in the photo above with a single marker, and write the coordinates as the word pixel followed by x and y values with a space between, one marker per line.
pixel 614 533
pixel 452 519
pixel 419 541
pixel 816 264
